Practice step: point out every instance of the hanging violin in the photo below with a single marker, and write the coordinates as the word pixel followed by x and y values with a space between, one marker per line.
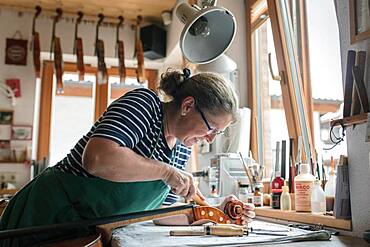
pixel 78 50
pixel 102 227
pixel 120 53
pixel 99 52
pixel 35 45
pixel 58 57
pixel 140 71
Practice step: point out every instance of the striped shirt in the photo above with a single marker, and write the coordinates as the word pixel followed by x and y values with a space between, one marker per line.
pixel 135 120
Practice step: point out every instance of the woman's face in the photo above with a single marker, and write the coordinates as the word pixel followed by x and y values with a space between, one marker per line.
pixel 192 127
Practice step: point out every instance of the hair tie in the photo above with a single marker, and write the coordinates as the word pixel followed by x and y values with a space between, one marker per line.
pixel 186 72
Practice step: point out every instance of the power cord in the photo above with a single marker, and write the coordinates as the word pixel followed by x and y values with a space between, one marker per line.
pixel 336 140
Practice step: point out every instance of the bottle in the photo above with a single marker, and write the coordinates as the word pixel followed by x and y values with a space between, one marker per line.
pixel 243 192
pixel 285 202
pixel 318 201
pixel 257 197
pixel 276 189
pixel 213 191
pixel 330 187
pixel 303 184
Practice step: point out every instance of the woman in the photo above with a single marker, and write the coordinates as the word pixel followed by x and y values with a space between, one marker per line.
pixel 131 158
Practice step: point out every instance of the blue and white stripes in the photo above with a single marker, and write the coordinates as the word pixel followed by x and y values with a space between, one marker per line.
pixel 135 121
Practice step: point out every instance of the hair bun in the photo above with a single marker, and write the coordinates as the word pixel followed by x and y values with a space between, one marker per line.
pixel 186 72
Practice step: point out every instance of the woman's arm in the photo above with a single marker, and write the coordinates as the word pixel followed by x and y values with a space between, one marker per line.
pixel 107 159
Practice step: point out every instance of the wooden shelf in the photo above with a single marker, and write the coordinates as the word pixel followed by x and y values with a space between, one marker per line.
pixel 8 191
pixel 308 218
pixel 348 121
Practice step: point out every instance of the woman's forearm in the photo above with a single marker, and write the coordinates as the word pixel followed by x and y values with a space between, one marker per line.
pixel 106 159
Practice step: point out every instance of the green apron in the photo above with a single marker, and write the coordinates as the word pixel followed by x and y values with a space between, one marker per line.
pixel 55 197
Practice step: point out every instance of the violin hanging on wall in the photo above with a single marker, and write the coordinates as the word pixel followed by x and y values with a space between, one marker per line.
pixel 99 52
pixel 140 71
pixel 58 57
pixel 35 44
pixel 120 52
pixel 78 49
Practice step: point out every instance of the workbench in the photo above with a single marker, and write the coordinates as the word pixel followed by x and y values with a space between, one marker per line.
pixel 147 234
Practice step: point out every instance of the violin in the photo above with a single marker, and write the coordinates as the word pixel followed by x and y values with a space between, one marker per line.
pixel 58 57
pixel 102 227
pixel 120 53
pixel 35 46
pixel 140 71
pixel 99 52
pixel 78 50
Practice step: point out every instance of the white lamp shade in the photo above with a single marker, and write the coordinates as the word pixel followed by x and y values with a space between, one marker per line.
pixel 207 33
pixel 223 64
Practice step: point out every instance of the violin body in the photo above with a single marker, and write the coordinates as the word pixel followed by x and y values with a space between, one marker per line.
pixel 36 53
pixel 102 67
pixel 80 59
pixel 139 51
pixel 121 61
pixel 58 65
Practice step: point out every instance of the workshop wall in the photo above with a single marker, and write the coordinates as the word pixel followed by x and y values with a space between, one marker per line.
pixel 358 149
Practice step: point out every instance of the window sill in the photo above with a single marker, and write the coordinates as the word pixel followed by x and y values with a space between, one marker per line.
pixel 308 218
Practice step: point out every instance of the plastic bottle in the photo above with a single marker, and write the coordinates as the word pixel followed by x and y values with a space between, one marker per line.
pixel 330 187
pixel 303 184
pixel 285 202
pixel 318 201
pixel 276 189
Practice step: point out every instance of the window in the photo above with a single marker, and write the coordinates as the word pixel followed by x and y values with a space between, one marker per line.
pixel 82 102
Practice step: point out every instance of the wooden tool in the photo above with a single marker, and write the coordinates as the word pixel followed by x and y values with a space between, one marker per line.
pixel 103 226
pixel 78 49
pixel 58 57
pixel 358 72
pixel 99 52
pixel 140 71
pixel 120 53
pixel 348 87
pixel 356 101
pixel 35 45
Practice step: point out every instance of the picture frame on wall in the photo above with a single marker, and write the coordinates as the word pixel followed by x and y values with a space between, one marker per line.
pixel 6 117
pixel 22 132
pixel 5 152
pixel 359 20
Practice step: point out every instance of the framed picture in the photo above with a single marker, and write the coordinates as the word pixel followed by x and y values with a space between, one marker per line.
pixel 5 152
pixel 6 117
pixel 359 12
pixel 21 132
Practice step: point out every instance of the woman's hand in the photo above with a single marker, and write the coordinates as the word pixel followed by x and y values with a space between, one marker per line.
pixel 181 182
pixel 248 209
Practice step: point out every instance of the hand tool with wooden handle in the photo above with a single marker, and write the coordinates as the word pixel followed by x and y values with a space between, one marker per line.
pixel 217 230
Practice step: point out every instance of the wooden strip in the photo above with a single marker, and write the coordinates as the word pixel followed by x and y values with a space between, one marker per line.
pixel 348 86
pixel 45 111
pixel 360 88
pixel 348 121
pixel 308 218
pixel 251 85
pixel 306 70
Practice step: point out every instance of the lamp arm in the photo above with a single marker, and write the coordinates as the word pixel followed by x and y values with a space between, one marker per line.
pixel 208 3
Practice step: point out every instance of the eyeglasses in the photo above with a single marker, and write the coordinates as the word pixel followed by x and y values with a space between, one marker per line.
pixel 211 131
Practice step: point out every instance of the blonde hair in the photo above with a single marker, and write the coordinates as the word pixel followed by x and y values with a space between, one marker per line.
pixel 211 91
